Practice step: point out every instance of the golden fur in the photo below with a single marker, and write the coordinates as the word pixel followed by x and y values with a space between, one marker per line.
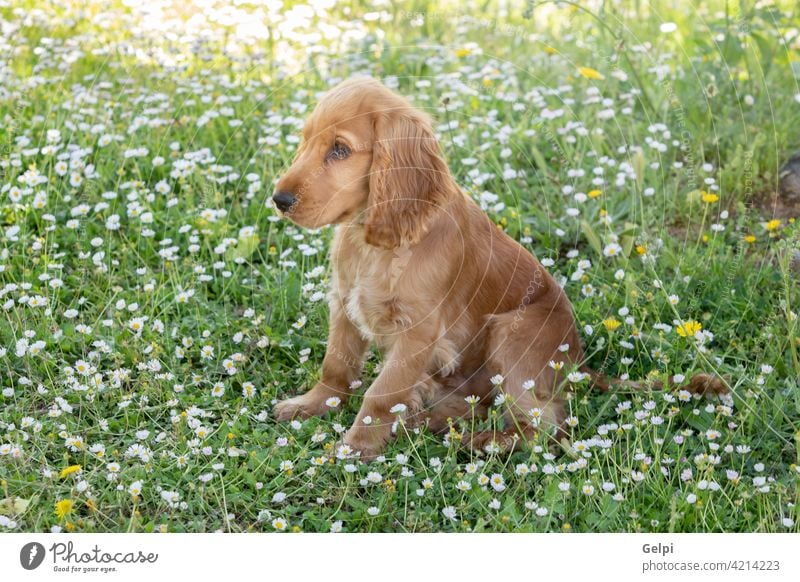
pixel 421 272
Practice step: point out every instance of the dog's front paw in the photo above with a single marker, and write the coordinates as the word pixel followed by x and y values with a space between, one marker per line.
pixel 367 441
pixel 303 406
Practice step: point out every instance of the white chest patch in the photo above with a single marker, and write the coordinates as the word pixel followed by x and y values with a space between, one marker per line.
pixel 380 320
pixel 357 315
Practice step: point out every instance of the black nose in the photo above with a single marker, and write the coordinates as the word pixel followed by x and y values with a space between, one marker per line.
pixel 284 201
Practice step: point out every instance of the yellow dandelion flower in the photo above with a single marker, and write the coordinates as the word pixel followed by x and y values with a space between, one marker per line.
pixel 550 50
pixel 773 224
pixel 709 197
pixel 641 249
pixel 590 73
pixel 689 328
pixel 750 239
pixel 66 471
pixel 611 323
pixel 594 193
pixel 463 52
pixel 63 507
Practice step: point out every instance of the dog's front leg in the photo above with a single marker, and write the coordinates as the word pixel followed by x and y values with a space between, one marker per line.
pixel 344 358
pixel 392 393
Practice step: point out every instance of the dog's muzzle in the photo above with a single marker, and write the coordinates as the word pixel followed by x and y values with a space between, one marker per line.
pixel 284 201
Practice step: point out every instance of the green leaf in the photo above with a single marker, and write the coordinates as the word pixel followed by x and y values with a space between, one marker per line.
pixel 732 50
pixel 764 47
pixel 591 237
pixel 244 249
pixel 541 164
pixel 627 238
pixel 639 167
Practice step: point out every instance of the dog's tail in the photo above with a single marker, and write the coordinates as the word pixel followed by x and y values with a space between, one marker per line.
pixel 697 384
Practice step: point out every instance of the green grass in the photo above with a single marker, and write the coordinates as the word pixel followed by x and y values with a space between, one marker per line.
pixel 121 363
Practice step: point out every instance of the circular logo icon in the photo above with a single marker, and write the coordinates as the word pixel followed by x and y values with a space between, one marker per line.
pixel 31 555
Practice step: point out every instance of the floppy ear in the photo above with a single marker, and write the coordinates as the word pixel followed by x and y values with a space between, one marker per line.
pixel 408 180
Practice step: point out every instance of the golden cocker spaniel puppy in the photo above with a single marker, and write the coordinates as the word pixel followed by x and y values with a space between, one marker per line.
pixel 455 305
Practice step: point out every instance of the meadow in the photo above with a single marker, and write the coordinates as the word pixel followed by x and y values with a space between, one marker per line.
pixel 155 307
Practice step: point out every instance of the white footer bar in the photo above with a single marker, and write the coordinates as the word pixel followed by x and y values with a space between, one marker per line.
pixel 389 557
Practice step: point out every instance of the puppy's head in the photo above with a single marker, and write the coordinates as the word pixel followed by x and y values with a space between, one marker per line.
pixel 367 156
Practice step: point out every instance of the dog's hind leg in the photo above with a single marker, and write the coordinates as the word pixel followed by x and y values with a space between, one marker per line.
pixel 531 349
pixel 455 398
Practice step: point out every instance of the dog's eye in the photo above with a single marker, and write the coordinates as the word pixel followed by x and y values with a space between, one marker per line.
pixel 339 151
